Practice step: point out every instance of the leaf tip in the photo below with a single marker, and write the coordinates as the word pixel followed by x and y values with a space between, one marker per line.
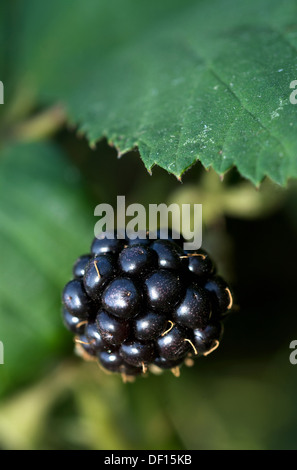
pixel 120 153
pixel 93 145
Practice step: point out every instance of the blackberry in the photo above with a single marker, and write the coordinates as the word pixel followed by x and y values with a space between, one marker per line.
pixel 174 344
pixel 110 360
pixel 121 298
pixel 72 322
pixel 137 353
pixel 94 337
pixel 207 339
pixel 172 236
pixel 80 266
pixel 163 290
pixel 194 310
pixel 99 270
pixel 113 330
pixel 143 241
pixel 149 325
pixel 200 263
pixel 76 300
pixel 137 259
pixel 145 304
pixel 85 346
pixel 170 255
pixel 164 363
pixel 107 243
pixel 220 294
pixel 139 241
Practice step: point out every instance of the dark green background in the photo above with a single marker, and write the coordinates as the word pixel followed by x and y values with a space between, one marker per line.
pixel 240 397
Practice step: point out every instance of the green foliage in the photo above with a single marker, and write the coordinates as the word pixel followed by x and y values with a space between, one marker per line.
pixel 181 80
pixel 43 212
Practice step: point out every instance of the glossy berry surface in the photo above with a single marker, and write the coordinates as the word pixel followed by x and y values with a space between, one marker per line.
pixel 110 360
pixel 76 300
pixel 200 264
pixel 143 305
pixel 206 339
pixel 163 290
pixel 99 270
pixel 137 353
pixel 72 322
pixel 121 298
pixel 139 241
pixel 95 337
pixel 113 330
pixel 173 345
pixel 105 244
pixel 80 265
pixel 220 294
pixel 86 345
pixel 137 259
pixel 170 255
pixel 194 310
pixel 164 363
pixel 149 325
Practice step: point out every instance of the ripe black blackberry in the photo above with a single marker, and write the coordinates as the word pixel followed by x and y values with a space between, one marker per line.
pixel 144 304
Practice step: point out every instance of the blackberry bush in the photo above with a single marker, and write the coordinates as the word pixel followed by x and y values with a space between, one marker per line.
pixel 143 305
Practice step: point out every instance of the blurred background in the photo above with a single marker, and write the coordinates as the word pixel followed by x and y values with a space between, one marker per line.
pixel 240 397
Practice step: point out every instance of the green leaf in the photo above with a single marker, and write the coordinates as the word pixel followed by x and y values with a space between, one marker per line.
pixel 44 226
pixel 182 81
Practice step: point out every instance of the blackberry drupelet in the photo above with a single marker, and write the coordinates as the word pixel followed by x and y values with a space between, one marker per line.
pixel 144 305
